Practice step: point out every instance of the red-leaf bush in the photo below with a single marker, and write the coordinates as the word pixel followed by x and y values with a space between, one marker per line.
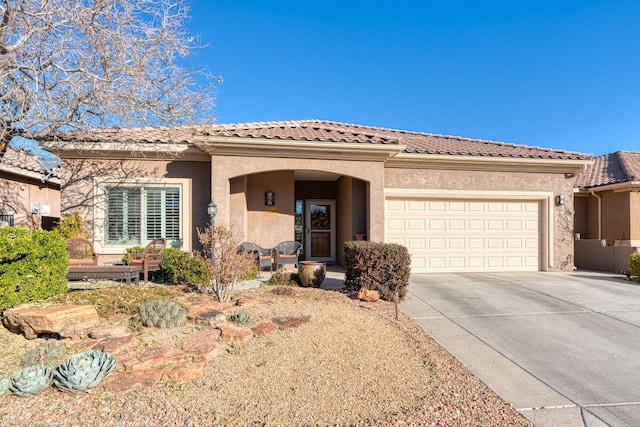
pixel 383 267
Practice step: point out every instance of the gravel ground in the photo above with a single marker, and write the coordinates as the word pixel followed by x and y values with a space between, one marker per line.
pixel 353 364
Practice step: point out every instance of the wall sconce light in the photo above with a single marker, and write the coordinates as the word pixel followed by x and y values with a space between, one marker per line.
pixel 269 198
pixel 560 200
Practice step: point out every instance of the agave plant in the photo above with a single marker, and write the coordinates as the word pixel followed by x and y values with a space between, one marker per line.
pixel 4 385
pixel 83 371
pixel 31 380
pixel 241 317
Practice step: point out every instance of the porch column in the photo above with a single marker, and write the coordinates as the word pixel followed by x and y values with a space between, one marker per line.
pixel 375 211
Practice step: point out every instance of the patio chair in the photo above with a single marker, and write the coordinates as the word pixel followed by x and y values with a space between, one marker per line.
pixel 150 258
pixel 287 253
pixel 262 256
pixel 81 252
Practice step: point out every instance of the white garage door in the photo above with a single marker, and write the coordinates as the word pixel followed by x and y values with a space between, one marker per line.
pixel 445 235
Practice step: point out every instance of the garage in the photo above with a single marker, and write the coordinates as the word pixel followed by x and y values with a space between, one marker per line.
pixel 467 235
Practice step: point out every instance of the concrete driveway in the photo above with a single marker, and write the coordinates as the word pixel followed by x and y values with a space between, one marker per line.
pixel 562 348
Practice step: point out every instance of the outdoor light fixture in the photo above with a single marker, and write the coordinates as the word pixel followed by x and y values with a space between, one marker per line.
pixel 560 200
pixel 212 210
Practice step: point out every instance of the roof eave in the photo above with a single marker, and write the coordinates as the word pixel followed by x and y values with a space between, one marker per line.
pixel 28 174
pixel 616 187
pixel 267 147
pixel 124 150
pixel 488 163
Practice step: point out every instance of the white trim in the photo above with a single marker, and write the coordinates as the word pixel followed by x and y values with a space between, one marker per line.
pixel 545 198
pixel 99 184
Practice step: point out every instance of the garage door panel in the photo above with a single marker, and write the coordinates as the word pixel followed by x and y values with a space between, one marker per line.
pixel 466 235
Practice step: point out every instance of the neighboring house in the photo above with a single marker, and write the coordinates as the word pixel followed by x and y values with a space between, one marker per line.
pixel 457 204
pixel 29 192
pixel 607 220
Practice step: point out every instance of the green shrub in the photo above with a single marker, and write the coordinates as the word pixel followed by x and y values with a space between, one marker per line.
pixel 179 267
pixel 33 265
pixel 131 250
pixel 383 267
pixel 71 225
pixel 634 266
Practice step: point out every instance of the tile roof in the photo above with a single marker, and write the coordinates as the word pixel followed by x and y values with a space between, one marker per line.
pixel 612 168
pixel 21 159
pixel 326 131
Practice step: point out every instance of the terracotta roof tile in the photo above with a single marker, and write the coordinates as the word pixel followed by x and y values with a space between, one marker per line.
pixel 22 159
pixel 326 131
pixel 612 168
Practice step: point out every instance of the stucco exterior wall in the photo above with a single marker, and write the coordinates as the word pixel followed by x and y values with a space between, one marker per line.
pixel 269 225
pixel 634 215
pixel 225 168
pixel 615 215
pixel 18 193
pixel 80 177
pixel 403 178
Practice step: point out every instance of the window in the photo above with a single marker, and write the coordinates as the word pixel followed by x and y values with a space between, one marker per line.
pixel 136 215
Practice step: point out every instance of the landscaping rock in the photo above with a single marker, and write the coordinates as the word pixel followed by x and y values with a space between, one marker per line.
pixel 187 370
pixel 109 331
pixel 290 321
pixel 232 333
pixel 113 345
pixel 201 342
pixel 263 328
pixel 126 381
pixel 67 321
pixel 246 301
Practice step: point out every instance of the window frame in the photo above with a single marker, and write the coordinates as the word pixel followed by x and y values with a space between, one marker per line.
pixel 100 196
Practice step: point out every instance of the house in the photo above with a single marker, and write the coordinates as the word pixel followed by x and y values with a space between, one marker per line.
pixel 29 191
pixel 607 205
pixel 457 204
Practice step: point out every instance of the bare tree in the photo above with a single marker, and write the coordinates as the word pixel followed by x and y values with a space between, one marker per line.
pixel 78 64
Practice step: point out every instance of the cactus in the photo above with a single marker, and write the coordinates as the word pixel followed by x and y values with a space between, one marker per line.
pixel 83 371
pixel 31 380
pixel 4 385
pixel 161 314
pixel 241 317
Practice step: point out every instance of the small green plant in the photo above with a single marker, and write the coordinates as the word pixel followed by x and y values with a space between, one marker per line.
pixel 83 371
pixel 161 314
pixel 47 354
pixel 634 266
pixel 241 317
pixel 31 380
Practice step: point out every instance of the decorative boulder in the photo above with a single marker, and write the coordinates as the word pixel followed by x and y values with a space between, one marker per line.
pixel 67 321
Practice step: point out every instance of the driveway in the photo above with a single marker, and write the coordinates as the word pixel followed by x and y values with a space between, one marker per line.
pixel 562 348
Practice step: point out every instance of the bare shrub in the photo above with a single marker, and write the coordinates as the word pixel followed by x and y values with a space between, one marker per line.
pixel 229 264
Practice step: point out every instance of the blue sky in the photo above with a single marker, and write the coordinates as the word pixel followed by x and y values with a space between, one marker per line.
pixel 557 74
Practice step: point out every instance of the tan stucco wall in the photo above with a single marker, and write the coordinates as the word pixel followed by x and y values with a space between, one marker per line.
pixel 18 193
pixel 79 183
pixel 224 168
pixel 501 181
pixel 269 225
pixel 619 219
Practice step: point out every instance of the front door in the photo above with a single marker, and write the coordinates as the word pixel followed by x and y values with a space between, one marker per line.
pixel 320 230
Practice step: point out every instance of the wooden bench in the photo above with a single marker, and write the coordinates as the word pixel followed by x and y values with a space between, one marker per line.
pixel 112 272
